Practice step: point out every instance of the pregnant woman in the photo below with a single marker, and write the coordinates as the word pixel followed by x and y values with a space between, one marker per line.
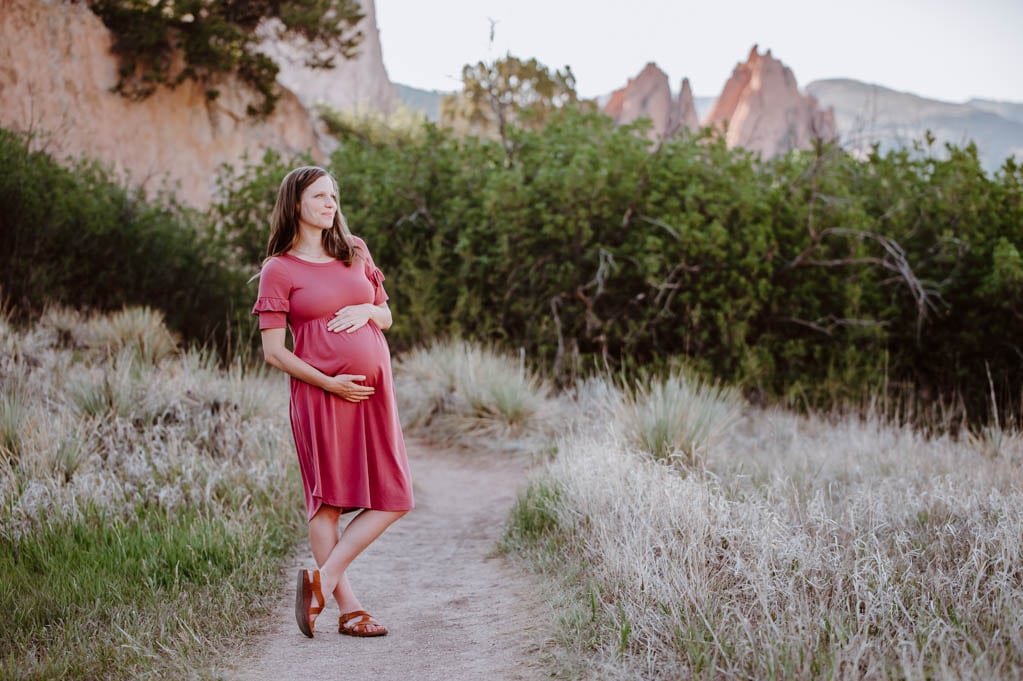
pixel 320 281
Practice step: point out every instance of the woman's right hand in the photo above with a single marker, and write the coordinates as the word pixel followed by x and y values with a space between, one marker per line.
pixel 347 387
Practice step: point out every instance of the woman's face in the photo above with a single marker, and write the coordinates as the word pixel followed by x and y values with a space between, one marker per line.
pixel 318 204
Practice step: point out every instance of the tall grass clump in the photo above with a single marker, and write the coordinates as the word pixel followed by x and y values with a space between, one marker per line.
pixel 460 392
pixel 141 499
pixel 805 547
pixel 678 417
pixel 140 330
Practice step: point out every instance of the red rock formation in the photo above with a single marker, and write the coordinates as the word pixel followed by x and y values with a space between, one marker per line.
pixel 648 95
pixel 683 114
pixel 359 84
pixel 762 109
pixel 56 75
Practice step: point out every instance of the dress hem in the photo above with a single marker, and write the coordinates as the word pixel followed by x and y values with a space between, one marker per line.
pixel 348 508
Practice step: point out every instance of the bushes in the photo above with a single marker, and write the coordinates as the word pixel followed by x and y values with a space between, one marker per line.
pixel 72 235
pixel 815 278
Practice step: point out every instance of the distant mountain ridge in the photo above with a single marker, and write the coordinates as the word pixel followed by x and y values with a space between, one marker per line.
pixel 867 113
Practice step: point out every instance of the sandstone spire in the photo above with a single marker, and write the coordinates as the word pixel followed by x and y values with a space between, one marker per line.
pixel 683 114
pixel 762 109
pixel 648 95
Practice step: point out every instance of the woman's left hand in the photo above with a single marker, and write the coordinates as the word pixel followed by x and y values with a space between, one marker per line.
pixel 351 318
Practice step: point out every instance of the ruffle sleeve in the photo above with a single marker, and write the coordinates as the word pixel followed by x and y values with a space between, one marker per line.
pixel 375 276
pixel 373 273
pixel 273 302
pixel 268 304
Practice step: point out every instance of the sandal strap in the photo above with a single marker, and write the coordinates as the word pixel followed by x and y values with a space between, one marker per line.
pixel 358 621
pixel 317 594
pixel 362 615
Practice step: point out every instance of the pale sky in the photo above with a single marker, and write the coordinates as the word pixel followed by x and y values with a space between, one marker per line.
pixel 943 49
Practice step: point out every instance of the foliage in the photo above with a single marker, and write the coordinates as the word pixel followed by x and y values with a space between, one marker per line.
pixel 215 37
pixel 814 278
pixel 74 236
pixel 507 92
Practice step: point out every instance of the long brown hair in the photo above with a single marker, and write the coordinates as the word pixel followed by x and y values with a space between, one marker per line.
pixel 337 240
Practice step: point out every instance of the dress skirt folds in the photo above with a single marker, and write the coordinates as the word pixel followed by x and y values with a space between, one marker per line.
pixel 351 454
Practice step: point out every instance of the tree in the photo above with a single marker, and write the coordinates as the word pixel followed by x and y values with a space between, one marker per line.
pixel 220 37
pixel 506 92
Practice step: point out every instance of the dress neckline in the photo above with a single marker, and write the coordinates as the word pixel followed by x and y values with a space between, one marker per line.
pixel 310 262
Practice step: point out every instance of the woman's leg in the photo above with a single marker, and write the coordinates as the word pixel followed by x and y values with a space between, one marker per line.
pixel 334 555
pixel 323 538
pixel 361 531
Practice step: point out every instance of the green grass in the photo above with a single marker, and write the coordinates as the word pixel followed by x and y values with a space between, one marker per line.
pixel 147 500
pixel 107 599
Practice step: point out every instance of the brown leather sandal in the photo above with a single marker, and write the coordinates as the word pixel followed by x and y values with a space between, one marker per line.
pixel 307 589
pixel 361 627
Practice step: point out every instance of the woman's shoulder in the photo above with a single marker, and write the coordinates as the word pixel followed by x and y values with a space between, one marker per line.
pixel 275 266
pixel 274 262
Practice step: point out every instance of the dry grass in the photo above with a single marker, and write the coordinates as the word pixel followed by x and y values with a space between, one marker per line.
pixel 145 486
pixel 461 393
pixel 90 417
pixel 679 417
pixel 840 548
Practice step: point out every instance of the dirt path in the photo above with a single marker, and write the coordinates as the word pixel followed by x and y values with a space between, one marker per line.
pixel 455 610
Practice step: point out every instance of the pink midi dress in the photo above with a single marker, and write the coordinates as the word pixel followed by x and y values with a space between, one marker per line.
pixel 351 454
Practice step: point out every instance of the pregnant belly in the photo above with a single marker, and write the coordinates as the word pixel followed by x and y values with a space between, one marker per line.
pixel 363 352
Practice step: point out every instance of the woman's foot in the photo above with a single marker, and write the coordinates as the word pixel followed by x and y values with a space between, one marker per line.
pixel 309 600
pixel 360 623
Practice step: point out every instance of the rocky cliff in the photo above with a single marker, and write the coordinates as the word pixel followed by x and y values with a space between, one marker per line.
pixel 760 107
pixel 648 95
pixel 358 84
pixel 56 75
pixel 763 110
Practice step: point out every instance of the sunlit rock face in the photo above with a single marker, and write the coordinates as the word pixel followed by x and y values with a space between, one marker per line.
pixel 56 76
pixel 360 84
pixel 648 95
pixel 762 109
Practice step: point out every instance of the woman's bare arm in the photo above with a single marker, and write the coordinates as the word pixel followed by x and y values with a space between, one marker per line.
pixel 345 386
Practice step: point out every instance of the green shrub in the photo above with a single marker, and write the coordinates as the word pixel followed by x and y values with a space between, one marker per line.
pixel 73 236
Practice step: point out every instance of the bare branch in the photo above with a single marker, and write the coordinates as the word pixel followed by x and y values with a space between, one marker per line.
pixel 925 294
pixel 827 325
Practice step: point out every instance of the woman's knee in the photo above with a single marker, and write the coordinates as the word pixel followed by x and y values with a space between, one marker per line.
pixel 326 514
